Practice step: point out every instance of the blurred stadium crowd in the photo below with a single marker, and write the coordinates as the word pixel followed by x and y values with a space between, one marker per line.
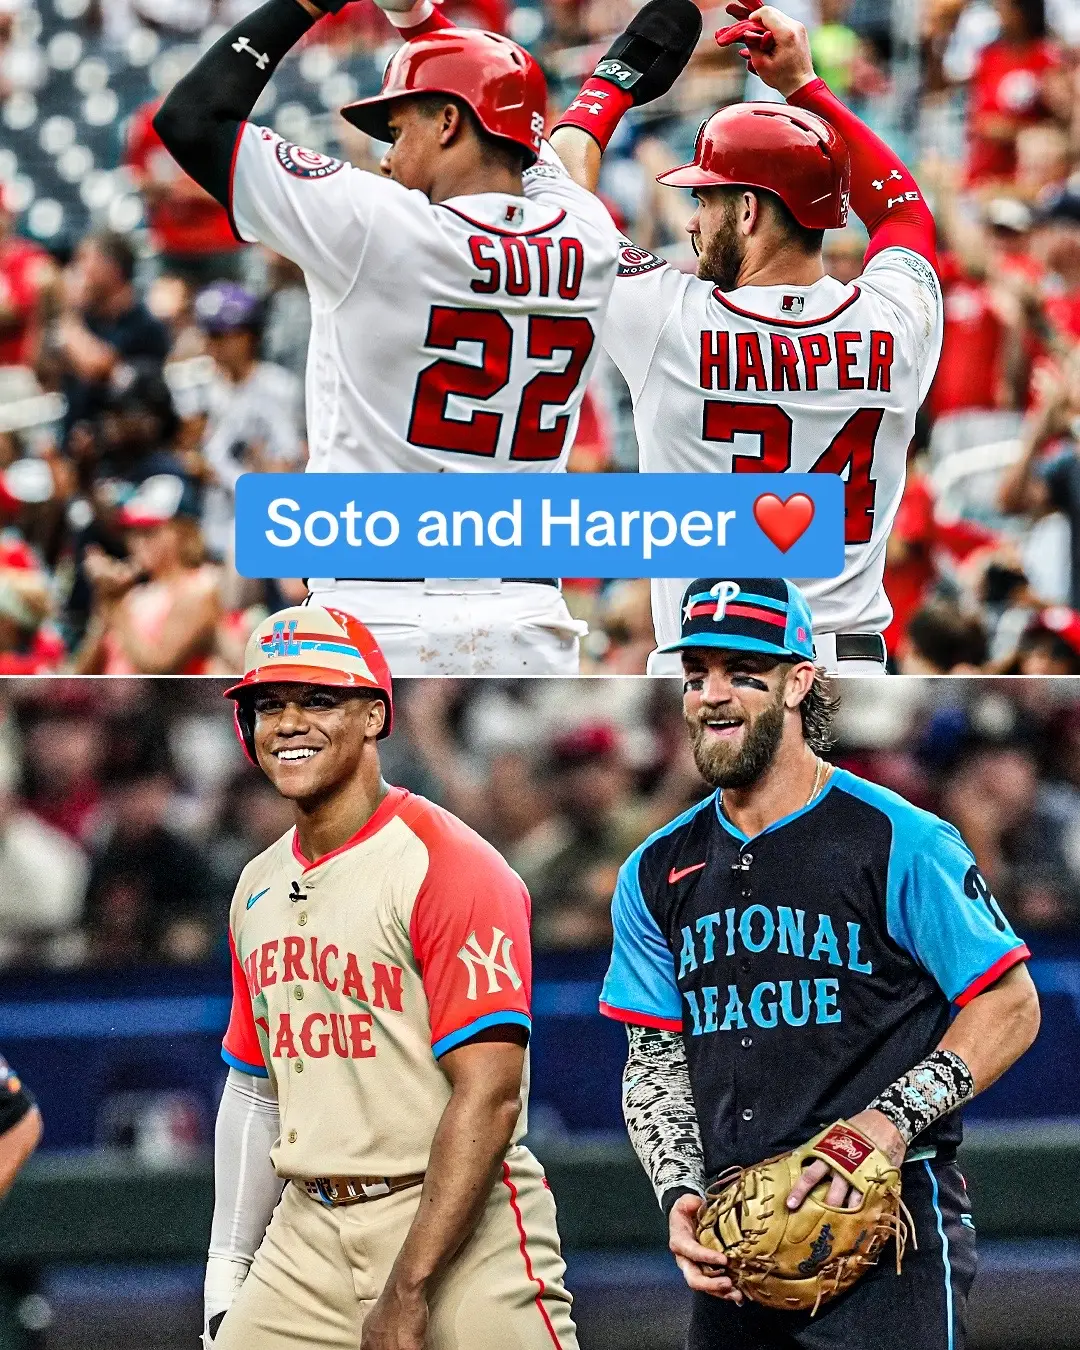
pixel 147 359
pixel 127 809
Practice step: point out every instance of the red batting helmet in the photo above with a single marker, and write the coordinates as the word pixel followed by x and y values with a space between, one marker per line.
pixel 310 645
pixel 795 154
pixel 499 81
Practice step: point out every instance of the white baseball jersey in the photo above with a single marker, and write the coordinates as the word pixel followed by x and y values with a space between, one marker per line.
pixel 456 336
pixel 766 379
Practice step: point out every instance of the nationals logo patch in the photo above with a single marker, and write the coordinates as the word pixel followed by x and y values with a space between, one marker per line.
pixel 302 163
pixel 633 261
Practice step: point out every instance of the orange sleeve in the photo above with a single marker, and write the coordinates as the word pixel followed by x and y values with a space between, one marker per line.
pixel 470 933
pixel 240 1048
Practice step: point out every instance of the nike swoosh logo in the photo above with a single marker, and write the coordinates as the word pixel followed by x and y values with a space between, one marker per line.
pixel 253 898
pixel 674 876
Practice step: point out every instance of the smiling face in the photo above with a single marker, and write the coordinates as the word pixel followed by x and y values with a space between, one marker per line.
pixel 736 705
pixel 311 739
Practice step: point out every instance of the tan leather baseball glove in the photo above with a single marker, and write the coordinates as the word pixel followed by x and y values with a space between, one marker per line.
pixel 794 1260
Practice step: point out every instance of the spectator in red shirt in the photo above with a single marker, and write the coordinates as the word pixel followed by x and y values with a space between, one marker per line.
pixel 24 271
pixel 190 231
pixel 1018 82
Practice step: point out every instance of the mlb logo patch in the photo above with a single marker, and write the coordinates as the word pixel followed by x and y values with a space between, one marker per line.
pixel 792 304
pixel 515 215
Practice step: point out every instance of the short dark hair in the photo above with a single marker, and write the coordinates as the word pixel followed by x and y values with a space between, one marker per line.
pixel 508 154
pixel 806 241
pixel 946 637
pixel 117 249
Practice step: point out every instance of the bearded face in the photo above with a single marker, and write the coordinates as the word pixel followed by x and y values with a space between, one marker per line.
pixel 719 245
pixel 732 748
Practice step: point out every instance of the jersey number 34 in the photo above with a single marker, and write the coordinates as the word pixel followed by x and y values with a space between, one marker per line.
pixel 851 449
pixel 429 425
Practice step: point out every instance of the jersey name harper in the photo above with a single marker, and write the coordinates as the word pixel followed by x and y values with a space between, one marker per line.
pixel 450 336
pixel 353 975
pixel 824 378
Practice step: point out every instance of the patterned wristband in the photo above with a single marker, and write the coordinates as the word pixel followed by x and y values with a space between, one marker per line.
pixel 939 1084
pixel 598 109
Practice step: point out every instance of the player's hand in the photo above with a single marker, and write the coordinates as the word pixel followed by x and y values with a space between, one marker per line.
pixel 702 1269
pixel 398 1320
pixel 777 47
pixel 222 1282
pixel 841 1195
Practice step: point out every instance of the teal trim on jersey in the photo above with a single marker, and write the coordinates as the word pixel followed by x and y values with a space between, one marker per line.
pixel 937 905
pixel 234 1063
pixel 494 1019
pixel 944 1250
pixel 641 973
pixel 734 830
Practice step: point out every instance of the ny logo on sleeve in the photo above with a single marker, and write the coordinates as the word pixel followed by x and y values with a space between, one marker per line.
pixel 496 961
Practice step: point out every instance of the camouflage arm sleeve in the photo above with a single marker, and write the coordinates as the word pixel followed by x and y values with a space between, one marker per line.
pixel 658 1107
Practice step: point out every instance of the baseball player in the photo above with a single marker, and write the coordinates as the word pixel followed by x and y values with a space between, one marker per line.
pixel 762 363
pixel 790 951
pixel 455 323
pixel 20 1126
pixel 377 1046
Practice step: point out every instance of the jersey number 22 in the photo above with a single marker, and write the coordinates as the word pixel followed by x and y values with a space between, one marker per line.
pixel 478 434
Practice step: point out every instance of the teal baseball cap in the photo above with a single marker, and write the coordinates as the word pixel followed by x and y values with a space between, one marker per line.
pixel 749 614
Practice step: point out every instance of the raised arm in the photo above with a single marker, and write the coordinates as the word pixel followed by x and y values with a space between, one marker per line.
pixel 641 64
pixel 202 117
pixel 884 195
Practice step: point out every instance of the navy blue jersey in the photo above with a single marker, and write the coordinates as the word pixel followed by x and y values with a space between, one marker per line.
pixel 807 968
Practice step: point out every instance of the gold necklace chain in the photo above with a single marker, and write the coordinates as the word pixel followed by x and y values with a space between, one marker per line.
pixel 820 777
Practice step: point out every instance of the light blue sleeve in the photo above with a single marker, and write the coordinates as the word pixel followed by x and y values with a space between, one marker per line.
pixel 941 910
pixel 640 984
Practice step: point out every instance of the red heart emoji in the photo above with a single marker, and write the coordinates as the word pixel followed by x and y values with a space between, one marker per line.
pixel 784 523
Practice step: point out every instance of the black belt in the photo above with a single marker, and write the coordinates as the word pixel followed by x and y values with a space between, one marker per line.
pixel 860 647
pixel 501 581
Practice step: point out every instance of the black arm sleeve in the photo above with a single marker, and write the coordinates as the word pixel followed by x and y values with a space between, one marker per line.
pixel 203 114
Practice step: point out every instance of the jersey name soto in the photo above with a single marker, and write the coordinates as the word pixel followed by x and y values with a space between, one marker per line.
pixel 805 361
pixel 532 264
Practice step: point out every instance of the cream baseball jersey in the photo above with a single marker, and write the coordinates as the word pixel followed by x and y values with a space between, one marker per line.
pixel 354 974
pixel 824 378
pixel 456 336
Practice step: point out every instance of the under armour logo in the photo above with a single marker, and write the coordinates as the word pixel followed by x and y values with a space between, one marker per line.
pixel 594 108
pixel 495 962
pixel 296 893
pixel 879 183
pixel 262 60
